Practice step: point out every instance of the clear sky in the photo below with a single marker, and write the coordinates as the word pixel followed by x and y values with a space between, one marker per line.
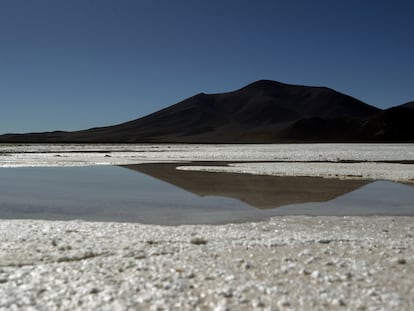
pixel 76 64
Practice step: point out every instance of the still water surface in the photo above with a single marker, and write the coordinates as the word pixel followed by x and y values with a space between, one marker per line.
pixel 159 194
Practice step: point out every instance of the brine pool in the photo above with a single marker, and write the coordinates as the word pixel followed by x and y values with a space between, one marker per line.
pixel 160 194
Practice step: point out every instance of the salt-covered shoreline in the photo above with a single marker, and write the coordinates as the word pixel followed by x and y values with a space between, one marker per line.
pixel 373 170
pixel 369 161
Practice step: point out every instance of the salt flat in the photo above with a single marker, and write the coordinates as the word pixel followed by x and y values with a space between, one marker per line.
pixel 285 263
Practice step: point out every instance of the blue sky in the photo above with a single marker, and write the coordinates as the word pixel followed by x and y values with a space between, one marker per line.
pixel 75 64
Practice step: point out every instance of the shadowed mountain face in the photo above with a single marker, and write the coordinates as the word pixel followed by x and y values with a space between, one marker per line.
pixel 258 191
pixel 409 105
pixel 262 112
pixel 394 124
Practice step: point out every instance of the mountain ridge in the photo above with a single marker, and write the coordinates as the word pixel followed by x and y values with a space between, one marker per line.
pixel 264 111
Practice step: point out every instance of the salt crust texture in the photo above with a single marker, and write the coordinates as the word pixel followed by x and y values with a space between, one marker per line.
pixel 286 263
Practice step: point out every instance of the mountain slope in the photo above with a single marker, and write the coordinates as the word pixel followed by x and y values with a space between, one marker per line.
pixel 393 124
pixel 409 105
pixel 262 112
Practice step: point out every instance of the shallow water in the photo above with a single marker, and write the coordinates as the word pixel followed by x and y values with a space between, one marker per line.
pixel 159 194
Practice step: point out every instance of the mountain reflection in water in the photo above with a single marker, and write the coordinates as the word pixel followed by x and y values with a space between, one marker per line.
pixel 258 191
pixel 160 194
pixel 286 195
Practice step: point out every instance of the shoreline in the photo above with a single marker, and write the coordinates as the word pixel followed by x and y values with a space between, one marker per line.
pixel 343 161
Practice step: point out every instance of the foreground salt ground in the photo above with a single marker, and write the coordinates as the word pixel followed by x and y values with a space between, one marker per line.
pixel 289 263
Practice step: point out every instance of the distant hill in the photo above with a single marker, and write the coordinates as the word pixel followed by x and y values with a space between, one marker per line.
pixel 262 112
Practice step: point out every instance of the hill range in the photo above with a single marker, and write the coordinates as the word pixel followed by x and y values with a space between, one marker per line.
pixel 262 112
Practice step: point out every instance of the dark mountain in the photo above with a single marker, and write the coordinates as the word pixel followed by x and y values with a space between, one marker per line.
pixel 393 124
pixel 409 105
pixel 262 112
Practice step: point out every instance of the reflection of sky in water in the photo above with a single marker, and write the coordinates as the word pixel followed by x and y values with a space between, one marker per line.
pixel 117 194
pixel 110 194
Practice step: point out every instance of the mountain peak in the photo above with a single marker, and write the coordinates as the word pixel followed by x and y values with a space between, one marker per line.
pixel 264 84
